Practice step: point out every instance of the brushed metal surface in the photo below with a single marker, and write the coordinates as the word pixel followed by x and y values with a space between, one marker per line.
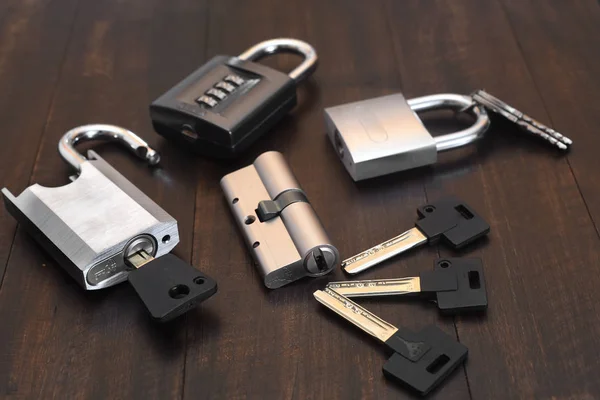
pixel 379 136
pixel 283 246
pixel 384 135
pixel 87 224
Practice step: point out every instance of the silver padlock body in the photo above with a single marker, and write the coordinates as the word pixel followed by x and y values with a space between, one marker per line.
pixel 87 224
pixel 283 246
pixel 379 136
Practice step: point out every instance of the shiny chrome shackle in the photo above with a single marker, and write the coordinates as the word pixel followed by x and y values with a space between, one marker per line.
pixel 285 45
pixel 459 103
pixel 66 145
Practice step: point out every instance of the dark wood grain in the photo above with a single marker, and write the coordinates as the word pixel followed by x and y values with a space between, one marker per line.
pixel 58 335
pixel 32 34
pixel 537 337
pixel 564 57
pixel 104 61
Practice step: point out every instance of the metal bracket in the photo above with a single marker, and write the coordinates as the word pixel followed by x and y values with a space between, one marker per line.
pixel 269 209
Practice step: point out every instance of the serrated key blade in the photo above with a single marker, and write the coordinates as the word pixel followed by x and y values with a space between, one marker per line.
pixel 352 312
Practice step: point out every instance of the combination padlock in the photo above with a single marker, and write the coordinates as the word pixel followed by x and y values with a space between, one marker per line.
pixel 280 227
pixel 384 135
pixel 228 103
pixel 103 230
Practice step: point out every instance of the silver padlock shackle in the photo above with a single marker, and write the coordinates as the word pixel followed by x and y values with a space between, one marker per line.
pixel 106 133
pixel 285 45
pixel 454 101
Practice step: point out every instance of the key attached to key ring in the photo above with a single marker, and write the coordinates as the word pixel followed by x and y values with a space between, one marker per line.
pixel 522 120
pixel 420 361
pixel 449 219
pixel 456 285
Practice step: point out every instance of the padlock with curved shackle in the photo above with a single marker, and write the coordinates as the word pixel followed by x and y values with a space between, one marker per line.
pixel 384 135
pixel 103 230
pixel 228 103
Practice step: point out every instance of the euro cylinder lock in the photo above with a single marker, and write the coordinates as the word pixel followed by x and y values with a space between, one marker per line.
pixel 280 227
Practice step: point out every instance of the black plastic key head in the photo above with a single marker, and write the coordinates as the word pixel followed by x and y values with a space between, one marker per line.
pixel 440 355
pixel 452 220
pixel 456 284
pixel 471 294
pixel 169 287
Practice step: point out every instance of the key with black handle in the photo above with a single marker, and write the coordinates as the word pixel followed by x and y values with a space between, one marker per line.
pixel 457 285
pixel 450 221
pixel 167 285
pixel 420 361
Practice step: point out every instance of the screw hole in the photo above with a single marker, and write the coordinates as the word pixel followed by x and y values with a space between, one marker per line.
pixel 235 200
pixel 444 264
pixel 199 280
pixel 429 209
pixel 179 291
pixel 255 244
pixel 166 239
pixel 249 219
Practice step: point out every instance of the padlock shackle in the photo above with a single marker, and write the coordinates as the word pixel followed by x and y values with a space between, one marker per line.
pixel 457 102
pixel 285 45
pixel 66 145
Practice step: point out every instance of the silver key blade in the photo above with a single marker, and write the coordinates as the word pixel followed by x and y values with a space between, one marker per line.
pixel 354 313
pixel 377 287
pixel 373 256
pixel 523 120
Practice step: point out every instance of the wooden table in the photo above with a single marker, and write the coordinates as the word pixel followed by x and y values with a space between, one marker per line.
pixel 64 63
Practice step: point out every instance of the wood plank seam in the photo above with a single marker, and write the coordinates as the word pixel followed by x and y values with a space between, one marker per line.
pixel 45 127
pixel 395 46
pixel 187 325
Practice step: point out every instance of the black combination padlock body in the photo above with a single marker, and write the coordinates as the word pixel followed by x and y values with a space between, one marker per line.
pixel 237 120
pixel 228 103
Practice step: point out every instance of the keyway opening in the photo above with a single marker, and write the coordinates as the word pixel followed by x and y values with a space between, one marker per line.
pixel 189 133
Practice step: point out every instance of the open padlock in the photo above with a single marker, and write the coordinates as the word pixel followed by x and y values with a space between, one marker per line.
pixel 103 230
pixel 228 103
pixel 384 135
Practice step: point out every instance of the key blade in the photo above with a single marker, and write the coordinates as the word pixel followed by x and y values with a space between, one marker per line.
pixel 365 320
pixel 377 287
pixel 139 259
pixel 521 119
pixel 377 254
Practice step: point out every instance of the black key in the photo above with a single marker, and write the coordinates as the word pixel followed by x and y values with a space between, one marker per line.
pixel 449 220
pixel 420 361
pixel 168 286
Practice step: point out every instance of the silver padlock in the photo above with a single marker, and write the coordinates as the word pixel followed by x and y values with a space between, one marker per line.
pixel 280 227
pixel 384 135
pixel 103 230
